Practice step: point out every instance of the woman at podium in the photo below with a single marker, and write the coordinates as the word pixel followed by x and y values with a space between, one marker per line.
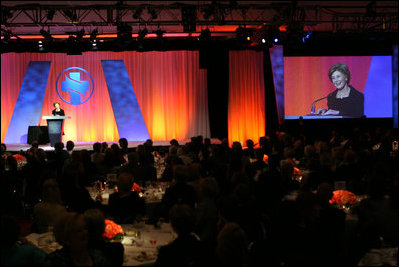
pixel 345 100
pixel 57 111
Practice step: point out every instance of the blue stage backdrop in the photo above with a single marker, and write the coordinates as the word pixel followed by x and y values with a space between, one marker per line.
pixel 128 116
pixel 29 103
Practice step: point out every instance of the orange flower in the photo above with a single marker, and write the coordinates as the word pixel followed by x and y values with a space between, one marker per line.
pixel 297 171
pixel 343 197
pixel 19 158
pixel 112 230
pixel 136 187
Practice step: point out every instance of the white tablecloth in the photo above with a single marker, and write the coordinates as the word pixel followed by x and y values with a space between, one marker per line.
pixel 142 238
pixel 141 242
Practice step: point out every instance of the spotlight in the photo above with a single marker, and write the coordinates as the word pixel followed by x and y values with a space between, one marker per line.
pixel 40 45
pixel 137 13
pixel 306 37
pixel 79 34
pixel 159 33
pixel 244 35
pixel 124 32
pixel 153 13
pixel 263 40
pixel 205 35
pixel 50 14
pixel 46 35
pixel 93 34
pixel 142 33
pixel 71 15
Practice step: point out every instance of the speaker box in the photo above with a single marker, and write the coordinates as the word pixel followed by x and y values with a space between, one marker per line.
pixel 38 133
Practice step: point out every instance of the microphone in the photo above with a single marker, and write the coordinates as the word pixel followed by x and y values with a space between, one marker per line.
pixel 313 106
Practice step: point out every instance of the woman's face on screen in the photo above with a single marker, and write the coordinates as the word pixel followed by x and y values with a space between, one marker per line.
pixel 338 79
pixel 57 106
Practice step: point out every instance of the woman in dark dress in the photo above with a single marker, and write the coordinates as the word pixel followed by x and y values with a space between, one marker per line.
pixel 57 111
pixel 345 100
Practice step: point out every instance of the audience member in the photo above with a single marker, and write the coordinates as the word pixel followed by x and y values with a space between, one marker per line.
pixel 13 251
pixel 125 205
pixel 47 212
pixel 71 233
pixel 186 249
pixel 95 223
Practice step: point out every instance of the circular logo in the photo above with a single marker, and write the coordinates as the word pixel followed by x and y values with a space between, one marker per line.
pixel 75 84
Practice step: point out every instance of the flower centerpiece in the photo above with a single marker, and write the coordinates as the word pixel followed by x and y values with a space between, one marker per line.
pixel 343 199
pixel 21 160
pixel 136 188
pixel 113 231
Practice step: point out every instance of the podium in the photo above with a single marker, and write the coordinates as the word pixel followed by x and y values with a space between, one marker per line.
pixel 55 125
pixel 316 117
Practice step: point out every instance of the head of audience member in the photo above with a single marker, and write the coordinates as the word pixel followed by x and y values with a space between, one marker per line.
pixel 3 148
pixel 209 187
pixel 236 147
pixel 51 192
pixel 125 182
pixel 232 245
pixel 70 232
pixel 97 147
pixel 250 144
pixel 308 207
pixel 180 174
pixel 12 163
pixel 10 230
pixel 123 143
pixel 174 142
pixel 115 148
pixel 148 143
pixel 325 192
pixel 182 219
pixel 95 223
pixel 59 146
pixel 104 146
pixel 70 145
pixel 35 144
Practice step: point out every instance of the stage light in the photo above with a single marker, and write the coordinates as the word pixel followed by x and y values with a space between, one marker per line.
pixel 79 34
pixel 189 18
pixel 124 32
pixel 306 37
pixel 40 45
pixel 153 13
pixel 50 14
pixel 276 40
pixel 159 33
pixel 205 35
pixel 71 15
pixel 244 35
pixel 263 40
pixel 137 13
pixel 93 34
pixel 46 35
pixel 143 33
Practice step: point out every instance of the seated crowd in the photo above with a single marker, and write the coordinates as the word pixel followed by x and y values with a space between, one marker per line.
pixel 228 205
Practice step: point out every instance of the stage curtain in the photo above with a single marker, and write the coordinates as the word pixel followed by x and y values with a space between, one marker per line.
pixel 169 86
pixel 246 106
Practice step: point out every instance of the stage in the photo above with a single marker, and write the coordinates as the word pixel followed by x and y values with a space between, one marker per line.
pixel 89 145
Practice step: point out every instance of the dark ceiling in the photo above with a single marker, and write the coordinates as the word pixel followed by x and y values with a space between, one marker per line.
pixel 165 25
